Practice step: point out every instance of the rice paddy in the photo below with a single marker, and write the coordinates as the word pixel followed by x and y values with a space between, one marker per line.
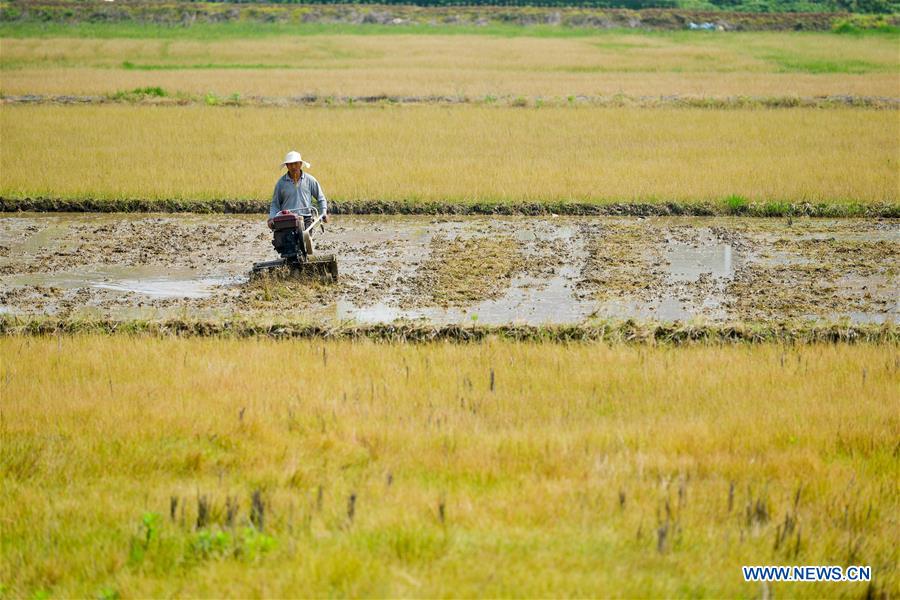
pixel 474 153
pixel 765 64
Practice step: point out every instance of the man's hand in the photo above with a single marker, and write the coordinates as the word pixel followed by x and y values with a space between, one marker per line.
pixel 269 223
pixel 325 218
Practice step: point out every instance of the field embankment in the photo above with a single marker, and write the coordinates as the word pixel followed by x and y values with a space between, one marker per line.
pixel 465 154
pixel 614 333
pixel 730 206
pixel 153 96
pixel 203 19
pixel 492 469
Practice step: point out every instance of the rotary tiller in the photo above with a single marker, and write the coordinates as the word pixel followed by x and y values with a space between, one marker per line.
pixel 294 243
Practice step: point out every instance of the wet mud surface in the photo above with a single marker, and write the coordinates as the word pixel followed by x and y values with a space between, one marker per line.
pixel 491 270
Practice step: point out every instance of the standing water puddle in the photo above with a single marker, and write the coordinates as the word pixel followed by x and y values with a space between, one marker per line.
pixel 693 283
pixel 688 263
pixel 152 282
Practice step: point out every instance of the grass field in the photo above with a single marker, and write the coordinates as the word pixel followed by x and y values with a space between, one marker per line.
pixel 129 467
pixel 475 66
pixel 463 154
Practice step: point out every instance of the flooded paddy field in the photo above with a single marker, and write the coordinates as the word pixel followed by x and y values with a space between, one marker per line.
pixel 489 270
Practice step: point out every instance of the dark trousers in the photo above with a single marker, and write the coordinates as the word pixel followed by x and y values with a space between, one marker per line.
pixel 307 221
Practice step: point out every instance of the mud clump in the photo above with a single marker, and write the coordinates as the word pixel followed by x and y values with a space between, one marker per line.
pixel 809 277
pixel 623 260
pixel 462 272
pixel 284 291
pixel 38 297
pixel 168 241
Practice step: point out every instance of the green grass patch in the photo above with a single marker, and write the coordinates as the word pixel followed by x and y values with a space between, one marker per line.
pixel 820 66
pixel 773 209
pixel 138 94
pixel 787 60
pixel 736 205
pixel 865 25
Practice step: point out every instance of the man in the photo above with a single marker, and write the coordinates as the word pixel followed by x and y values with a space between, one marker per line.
pixel 295 191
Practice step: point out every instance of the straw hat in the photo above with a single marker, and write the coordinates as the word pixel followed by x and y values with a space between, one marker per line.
pixel 294 156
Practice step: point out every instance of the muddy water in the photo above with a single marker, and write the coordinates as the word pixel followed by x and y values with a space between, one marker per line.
pixel 501 270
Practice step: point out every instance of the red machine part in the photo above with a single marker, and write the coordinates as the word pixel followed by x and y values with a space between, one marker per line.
pixel 284 220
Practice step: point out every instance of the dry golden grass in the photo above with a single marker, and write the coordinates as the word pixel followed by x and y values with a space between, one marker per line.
pixel 465 153
pixel 428 82
pixel 757 64
pixel 582 471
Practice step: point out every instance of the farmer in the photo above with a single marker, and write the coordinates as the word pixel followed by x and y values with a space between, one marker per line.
pixel 295 191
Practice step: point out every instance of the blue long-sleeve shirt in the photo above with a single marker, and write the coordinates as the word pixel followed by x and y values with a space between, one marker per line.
pixel 297 198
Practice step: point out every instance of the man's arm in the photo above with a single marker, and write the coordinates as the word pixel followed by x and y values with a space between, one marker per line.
pixel 275 207
pixel 323 202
